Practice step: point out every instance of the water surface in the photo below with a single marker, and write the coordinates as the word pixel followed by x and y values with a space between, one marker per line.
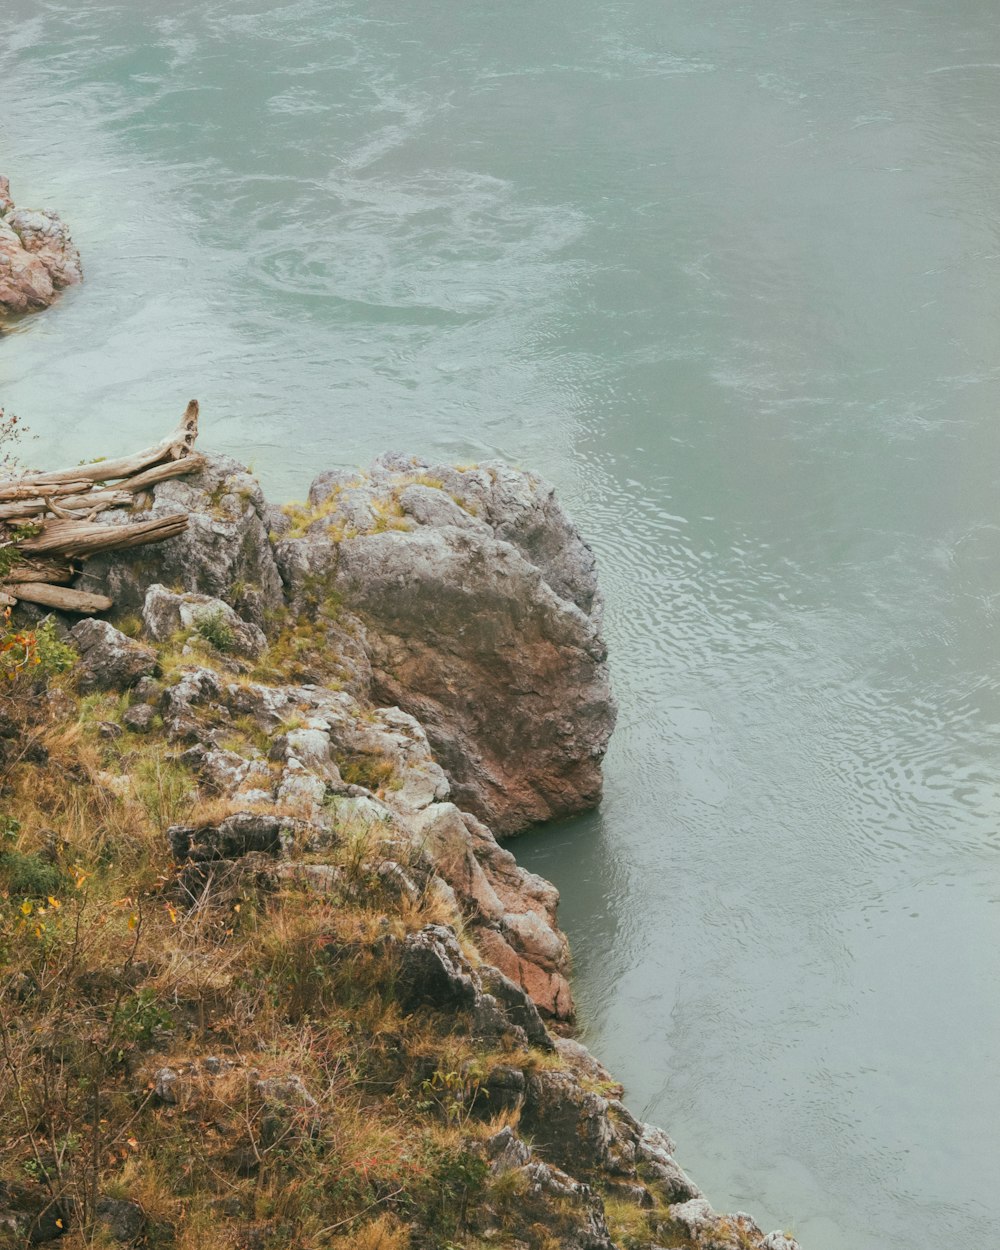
pixel 729 274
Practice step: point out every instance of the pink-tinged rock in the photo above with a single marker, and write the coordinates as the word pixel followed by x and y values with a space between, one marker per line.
pixel 37 256
pixel 497 952
pixel 24 281
pixel 483 620
pixel 549 991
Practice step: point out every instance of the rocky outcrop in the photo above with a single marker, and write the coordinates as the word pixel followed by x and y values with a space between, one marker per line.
pixel 165 613
pixel 483 619
pixel 476 693
pixel 37 256
pixel 332 767
pixel 225 552
pixel 108 659
pixel 464 597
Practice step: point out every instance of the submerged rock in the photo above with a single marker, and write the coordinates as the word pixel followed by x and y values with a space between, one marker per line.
pixel 37 256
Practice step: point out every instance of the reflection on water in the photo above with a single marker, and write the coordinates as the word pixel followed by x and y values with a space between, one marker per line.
pixel 728 274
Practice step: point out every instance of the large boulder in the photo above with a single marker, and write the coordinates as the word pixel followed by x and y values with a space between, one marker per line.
pixel 37 256
pixel 225 552
pixel 109 660
pixel 165 613
pixel 483 621
pixel 433 971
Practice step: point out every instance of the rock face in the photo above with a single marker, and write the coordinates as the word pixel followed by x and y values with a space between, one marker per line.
pixel 165 613
pixel 483 620
pixel 466 598
pixel 480 692
pixel 333 764
pixel 225 551
pixel 37 256
pixel 108 659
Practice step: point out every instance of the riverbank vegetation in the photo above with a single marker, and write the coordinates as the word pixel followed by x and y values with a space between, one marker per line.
pixel 231 1065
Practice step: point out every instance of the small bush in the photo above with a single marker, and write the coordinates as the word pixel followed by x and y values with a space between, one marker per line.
pixel 30 876
pixel 216 630
pixel 54 655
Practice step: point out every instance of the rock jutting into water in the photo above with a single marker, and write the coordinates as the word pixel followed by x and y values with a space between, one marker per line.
pixel 476 598
pixel 37 256
pixel 344 682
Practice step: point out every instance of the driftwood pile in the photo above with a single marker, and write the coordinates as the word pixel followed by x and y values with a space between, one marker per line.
pixel 48 525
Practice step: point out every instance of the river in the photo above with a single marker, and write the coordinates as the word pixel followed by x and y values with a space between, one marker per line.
pixel 729 274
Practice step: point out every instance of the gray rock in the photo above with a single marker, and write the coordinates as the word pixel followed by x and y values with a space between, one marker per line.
pixel 779 1241
pixel 123 1220
pixel 302 789
pixel 517 1007
pixel 655 1151
pixel 29 1215
pixel 139 718
pixel 109 660
pixel 502 1090
pixel 569 1125
pixel 579 1211
pixel 482 620
pixel 269 706
pixel 506 1151
pixel 430 506
pixel 311 747
pixel 316 878
pixel 147 691
pixel 433 971
pixel 307 565
pixel 225 551
pixel 222 772
pixel 165 1084
pixel 508 680
pixel 395 880
pixel 578 1057
pixel 165 613
pixel 697 1220
pixel 237 835
pixel 195 686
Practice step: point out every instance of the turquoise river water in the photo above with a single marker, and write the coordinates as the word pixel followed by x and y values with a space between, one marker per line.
pixel 729 274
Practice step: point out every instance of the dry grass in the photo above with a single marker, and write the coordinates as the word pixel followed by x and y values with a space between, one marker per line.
pixel 107 977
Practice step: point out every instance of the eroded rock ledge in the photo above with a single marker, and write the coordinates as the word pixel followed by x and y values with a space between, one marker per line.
pixel 37 256
pixel 472 597
pixel 415 662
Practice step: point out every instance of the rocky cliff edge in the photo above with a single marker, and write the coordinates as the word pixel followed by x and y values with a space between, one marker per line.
pixel 333 984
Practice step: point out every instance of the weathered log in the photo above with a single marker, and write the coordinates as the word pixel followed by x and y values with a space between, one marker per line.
pixel 83 538
pixel 41 571
pixel 27 488
pixel 94 501
pixel 65 598
pixel 62 505
pixel 176 446
pixel 160 472
pixel 86 505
